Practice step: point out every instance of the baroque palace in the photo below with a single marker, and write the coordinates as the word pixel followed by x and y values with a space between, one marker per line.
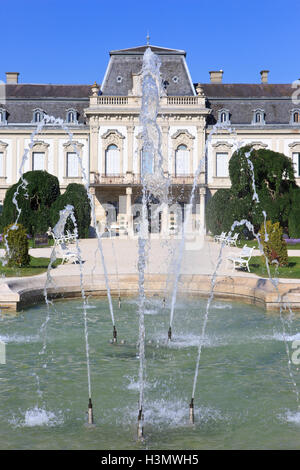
pixel 105 124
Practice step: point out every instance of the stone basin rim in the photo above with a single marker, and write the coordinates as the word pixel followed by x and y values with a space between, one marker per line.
pixel 19 293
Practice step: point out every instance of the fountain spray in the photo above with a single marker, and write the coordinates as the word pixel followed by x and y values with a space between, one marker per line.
pixel 90 412
pixel 140 430
pixel 192 416
pixel 154 184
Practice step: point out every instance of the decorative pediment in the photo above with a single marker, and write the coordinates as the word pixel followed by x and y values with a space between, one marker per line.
pixel 3 145
pixel 40 146
pixel 182 132
pixel 295 144
pixel 112 132
pixel 72 145
pixel 222 143
pixel 113 136
pixel 258 145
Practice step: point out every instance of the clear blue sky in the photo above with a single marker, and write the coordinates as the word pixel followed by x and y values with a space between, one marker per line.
pixel 67 41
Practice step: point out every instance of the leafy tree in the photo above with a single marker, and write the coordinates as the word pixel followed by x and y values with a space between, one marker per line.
pixel 76 196
pixel 34 201
pixel 274 184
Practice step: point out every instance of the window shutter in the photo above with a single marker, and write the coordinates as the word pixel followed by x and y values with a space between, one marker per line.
pixel 2 164
pixel 296 163
pixel 222 165
pixel 112 161
pixel 182 163
pixel 38 161
pixel 72 165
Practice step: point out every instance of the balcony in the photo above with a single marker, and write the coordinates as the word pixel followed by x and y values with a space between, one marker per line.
pixel 123 104
pixel 134 179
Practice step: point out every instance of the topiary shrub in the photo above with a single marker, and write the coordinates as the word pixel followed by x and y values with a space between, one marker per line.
pixel 34 202
pixel 76 196
pixel 274 246
pixel 294 215
pixel 16 246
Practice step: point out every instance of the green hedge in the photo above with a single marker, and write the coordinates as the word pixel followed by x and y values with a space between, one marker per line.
pixel 75 195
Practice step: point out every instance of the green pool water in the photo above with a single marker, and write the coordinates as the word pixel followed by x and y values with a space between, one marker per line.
pixel 244 397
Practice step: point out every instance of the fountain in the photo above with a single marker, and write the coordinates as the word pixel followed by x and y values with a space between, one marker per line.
pixel 239 378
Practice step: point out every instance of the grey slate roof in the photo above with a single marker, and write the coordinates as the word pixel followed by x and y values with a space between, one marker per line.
pixel 55 100
pixel 243 99
pixel 127 61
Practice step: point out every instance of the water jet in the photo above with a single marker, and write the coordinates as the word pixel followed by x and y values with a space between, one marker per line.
pixel 90 412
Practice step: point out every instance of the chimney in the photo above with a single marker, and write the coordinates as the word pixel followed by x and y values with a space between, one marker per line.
pixel 264 76
pixel 12 77
pixel 216 76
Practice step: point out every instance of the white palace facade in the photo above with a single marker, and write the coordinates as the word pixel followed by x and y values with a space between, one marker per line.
pixel 104 121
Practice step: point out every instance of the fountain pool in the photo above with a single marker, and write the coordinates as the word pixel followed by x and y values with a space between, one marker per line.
pixel 244 398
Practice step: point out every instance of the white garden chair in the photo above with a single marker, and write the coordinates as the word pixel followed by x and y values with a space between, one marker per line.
pixel 242 261
pixel 220 238
pixel 232 240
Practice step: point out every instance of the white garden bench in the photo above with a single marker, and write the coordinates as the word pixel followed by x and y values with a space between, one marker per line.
pixel 242 261
pixel 69 256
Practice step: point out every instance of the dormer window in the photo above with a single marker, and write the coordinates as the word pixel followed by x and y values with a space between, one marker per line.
pixel 3 120
pixel 38 116
pixel 223 116
pixel 72 116
pixel 296 117
pixel 258 117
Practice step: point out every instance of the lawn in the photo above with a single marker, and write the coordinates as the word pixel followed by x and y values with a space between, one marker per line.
pixel 253 243
pixel 258 266
pixel 37 266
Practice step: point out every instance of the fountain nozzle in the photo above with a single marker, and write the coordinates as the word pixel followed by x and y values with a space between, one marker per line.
pixel 114 335
pixel 170 334
pixel 192 416
pixel 119 302
pixel 140 430
pixel 90 412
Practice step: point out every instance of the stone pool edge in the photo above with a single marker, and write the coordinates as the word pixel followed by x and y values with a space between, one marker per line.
pixel 18 293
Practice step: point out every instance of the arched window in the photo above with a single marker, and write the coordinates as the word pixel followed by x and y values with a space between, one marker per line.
pixel 2 117
pixel 258 117
pixel 38 115
pixel 112 160
pixel 182 161
pixel 223 117
pixel 147 166
pixel 296 117
pixel 71 116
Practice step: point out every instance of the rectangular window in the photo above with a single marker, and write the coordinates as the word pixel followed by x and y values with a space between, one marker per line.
pixel 1 164
pixel 38 161
pixel 182 162
pixel 296 162
pixel 222 165
pixel 72 165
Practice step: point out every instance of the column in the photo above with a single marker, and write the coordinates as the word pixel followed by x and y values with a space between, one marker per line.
pixel 164 220
pixel 129 211
pixel 201 149
pixel 165 135
pixel 202 192
pixel 94 142
pixel 130 130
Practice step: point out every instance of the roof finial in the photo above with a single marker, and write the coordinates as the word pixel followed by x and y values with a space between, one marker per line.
pixel 148 38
